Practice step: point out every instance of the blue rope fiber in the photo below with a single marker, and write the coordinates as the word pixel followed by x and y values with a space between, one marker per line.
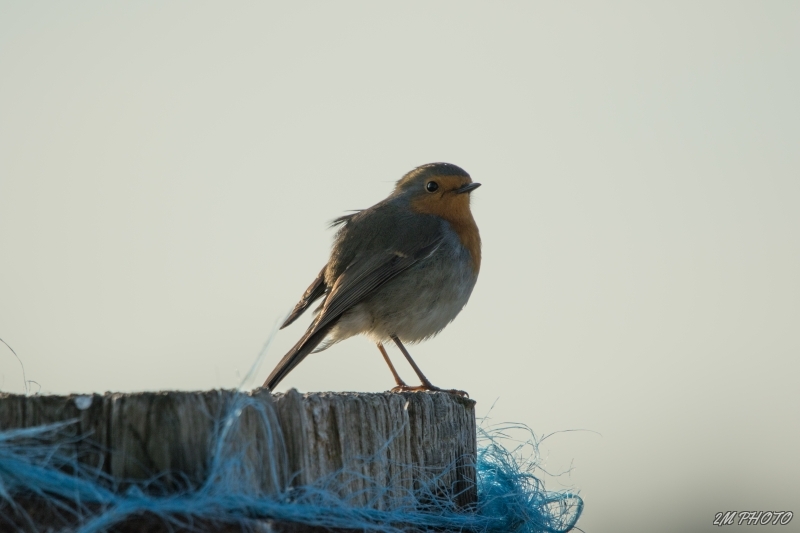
pixel 41 461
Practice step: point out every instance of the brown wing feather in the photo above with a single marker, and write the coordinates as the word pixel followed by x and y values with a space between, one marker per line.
pixel 313 292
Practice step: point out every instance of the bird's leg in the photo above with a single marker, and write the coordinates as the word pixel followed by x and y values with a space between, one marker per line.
pixel 426 384
pixel 397 378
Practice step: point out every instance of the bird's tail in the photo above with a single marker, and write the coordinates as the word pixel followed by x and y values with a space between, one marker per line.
pixel 299 351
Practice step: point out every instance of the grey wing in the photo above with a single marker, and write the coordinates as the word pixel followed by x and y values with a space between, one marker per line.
pixel 362 278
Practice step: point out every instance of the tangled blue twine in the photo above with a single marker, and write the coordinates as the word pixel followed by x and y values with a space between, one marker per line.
pixel 41 462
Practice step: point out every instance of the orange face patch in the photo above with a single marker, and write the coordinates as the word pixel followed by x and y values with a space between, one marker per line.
pixel 454 208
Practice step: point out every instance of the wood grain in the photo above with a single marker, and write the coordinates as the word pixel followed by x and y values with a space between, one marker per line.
pixel 382 450
pixel 171 435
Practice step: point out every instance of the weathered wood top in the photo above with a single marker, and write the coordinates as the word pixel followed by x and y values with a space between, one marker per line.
pixel 377 449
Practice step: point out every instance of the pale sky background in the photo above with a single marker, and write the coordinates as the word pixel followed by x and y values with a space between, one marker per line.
pixel 168 170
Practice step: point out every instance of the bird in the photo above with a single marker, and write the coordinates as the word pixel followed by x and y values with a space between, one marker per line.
pixel 400 270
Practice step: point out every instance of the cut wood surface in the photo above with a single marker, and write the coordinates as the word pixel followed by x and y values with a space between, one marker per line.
pixel 377 450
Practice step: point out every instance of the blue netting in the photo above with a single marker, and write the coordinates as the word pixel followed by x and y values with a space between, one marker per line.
pixel 41 462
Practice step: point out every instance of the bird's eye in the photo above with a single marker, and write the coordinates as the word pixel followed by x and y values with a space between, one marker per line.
pixel 432 186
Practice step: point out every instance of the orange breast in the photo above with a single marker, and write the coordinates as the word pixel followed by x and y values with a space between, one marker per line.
pixel 455 210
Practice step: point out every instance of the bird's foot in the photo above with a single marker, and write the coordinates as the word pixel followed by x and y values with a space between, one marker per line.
pixel 429 387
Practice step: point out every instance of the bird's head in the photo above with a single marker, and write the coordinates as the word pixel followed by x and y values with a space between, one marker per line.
pixel 438 189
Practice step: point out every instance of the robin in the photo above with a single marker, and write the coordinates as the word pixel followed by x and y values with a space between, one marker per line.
pixel 400 270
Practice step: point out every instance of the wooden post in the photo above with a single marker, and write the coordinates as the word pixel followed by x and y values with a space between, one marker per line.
pixel 166 434
pixel 384 450
pixel 384 447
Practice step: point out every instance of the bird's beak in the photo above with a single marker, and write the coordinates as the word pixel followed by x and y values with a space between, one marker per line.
pixel 469 187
